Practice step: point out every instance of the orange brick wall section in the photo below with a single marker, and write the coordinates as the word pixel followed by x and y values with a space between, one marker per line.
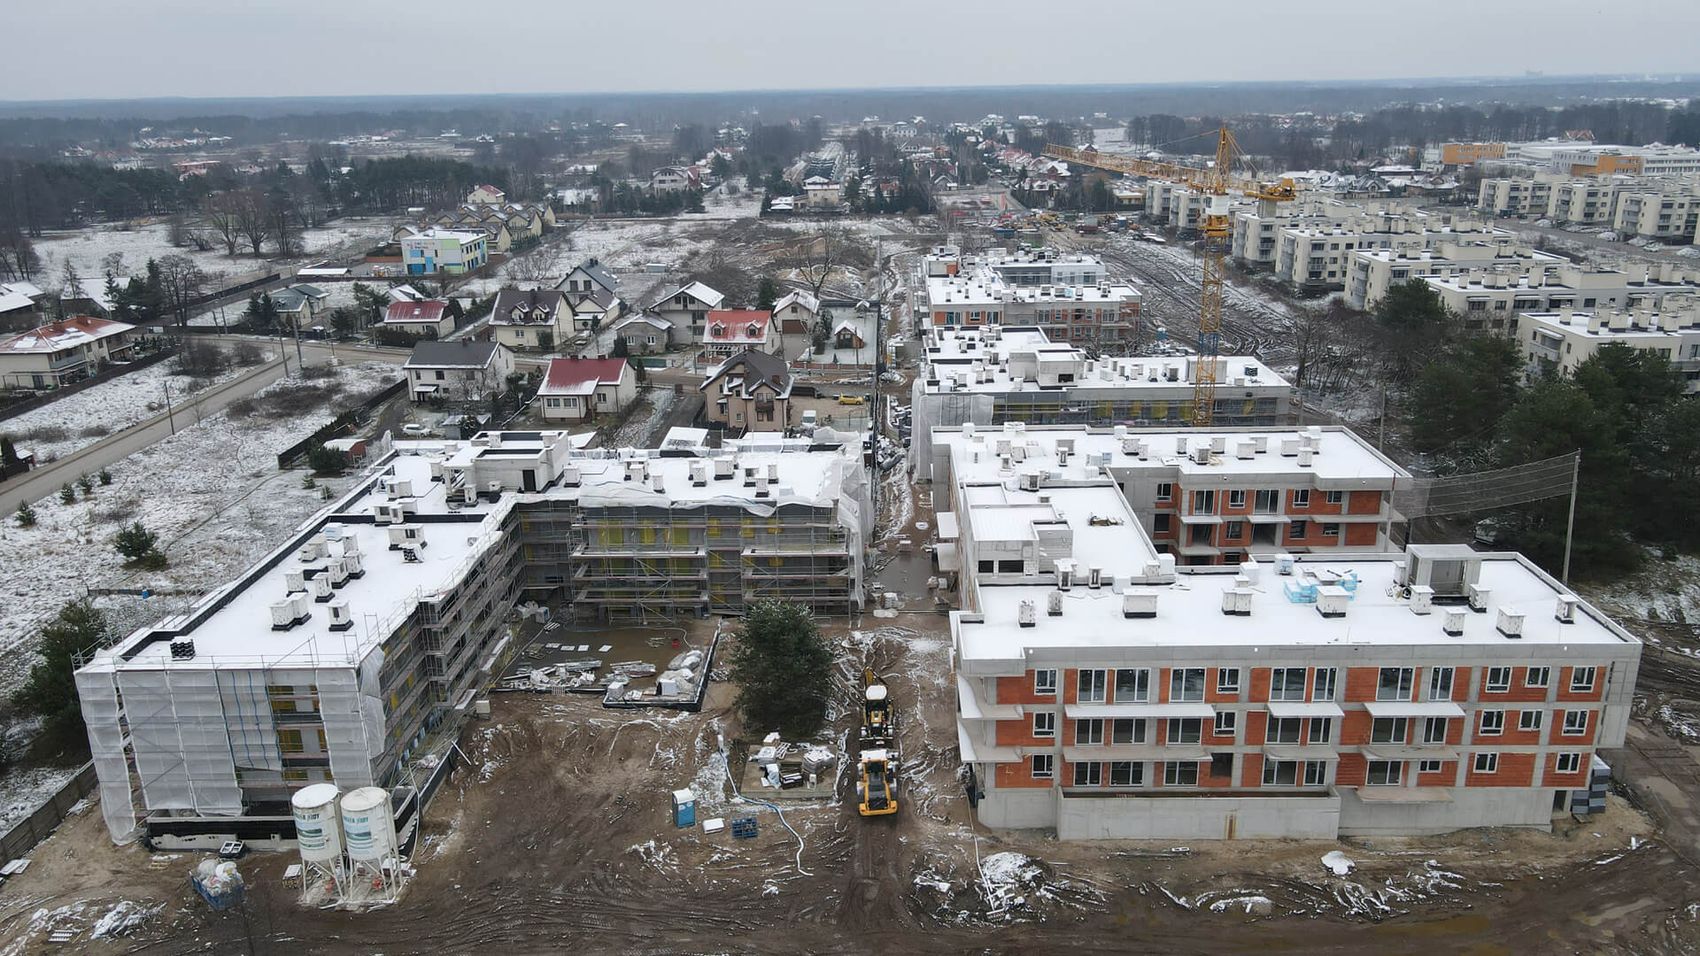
pixel 1550 777
pixel 1019 690
pixel 1565 693
pixel 1020 775
pixel 1019 733
pixel 1445 777
pixel 1251 770
pixel 1560 739
pixel 1259 685
pixel 1515 770
pixel 1360 535
pixel 1351 771
pixel 1363 503
pixel 1360 683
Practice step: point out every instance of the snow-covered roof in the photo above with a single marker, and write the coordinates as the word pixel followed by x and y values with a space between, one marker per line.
pixel 18 295
pixel 736 327
pixel 643 318
pixel 801 298
pixel 699 292
pixel 581 376
pixel 61 335
pixel 410 313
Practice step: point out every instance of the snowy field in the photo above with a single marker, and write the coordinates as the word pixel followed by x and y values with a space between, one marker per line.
pixel 212 492
pixel 87 249
pixel 83 418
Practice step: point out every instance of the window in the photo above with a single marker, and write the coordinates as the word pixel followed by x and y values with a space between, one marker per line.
pixel 1280 773
pixel 1434 730
pixel 1233 531
pixel 1394 683
pixel 1498 680
pixel 1323 684
pixel 1236 498
pixel 1204 502
pixel 1090 686
pixel 1537 677
pixel 1388 730
pixel 1529 720
pixel 1282 730
pixel 1045 682
pixel 1428 766
pixel 1133 686
pixel 1165 491
pixel 1222 766
pixel 1384 773
pixel 1044 724
pixel 1267 502
pixel 1298 529
pixel 1089 731
pixel 1160 524
pixel 1126 730
pixel 1582 680
pixel 1331 530
pixel 1186 685
pixel 1575 723
pixel 1227 722
pixel 1180 775
pixel 1316 773
pixel 1493 723
pixel 1487 763
pixel 1088 774
pixel 1125 773
pixel 1228 680
pixel 1301 498
pixel 1334 497
pixel 1440 683
pixel 1185 730
pixel 1568 763
pixel 1287 683
pixel 1321 729
pixel 1044 766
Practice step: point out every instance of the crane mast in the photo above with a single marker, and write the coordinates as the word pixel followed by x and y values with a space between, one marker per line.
pixel 1215 183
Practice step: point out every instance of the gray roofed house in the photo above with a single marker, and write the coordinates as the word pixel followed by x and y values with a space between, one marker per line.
pixel 588 276
pixel 749 391
pixel 530 318
pixel 462 370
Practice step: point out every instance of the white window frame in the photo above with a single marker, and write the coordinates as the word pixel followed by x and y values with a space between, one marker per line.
pixel 1571 757
pixel 1301 497
pixel 1316 773
pixel 1178 682
pixel 1321 730
pixel 1543 673
pixel 1042 766
pixel 1428 766
pixel 1568 730
pixel 1089 732
pixel 1092 771
pixel 1404 683
pixel 1172 773
pixel 1580 686
pixel 1434 683
pixel 1392 773
pixel 1136 694
pixel 1281 685
pixel 1497 680
pixel 1530 720
pixel 1236 497
pixel 1091 685
pixel 1048 718
pixel 1042 686
pixel 1226 725
pixel 1165 491
pixel 1429 724
pixel 1491 723
pixel 1487 762
pixel 1227 680
pixel 1321 676
pixel 1334 497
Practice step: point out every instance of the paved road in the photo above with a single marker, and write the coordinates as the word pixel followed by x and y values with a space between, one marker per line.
pixel 44 481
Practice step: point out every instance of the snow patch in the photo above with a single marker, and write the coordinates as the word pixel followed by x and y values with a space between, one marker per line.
pixel 1338 862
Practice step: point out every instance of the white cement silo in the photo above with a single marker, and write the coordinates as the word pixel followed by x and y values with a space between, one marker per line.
pixel 318 832
pixel 368 829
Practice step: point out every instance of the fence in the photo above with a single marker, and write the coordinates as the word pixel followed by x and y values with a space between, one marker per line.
pixel 29 405
pixel 339 425
pixel 36 827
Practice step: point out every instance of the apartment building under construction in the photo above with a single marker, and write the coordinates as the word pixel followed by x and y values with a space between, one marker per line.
pixel 337 656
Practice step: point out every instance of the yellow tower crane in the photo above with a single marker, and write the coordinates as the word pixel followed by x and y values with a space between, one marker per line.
pixel 1216 182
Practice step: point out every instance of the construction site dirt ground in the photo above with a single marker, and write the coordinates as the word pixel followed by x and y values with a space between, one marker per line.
pixel 556 833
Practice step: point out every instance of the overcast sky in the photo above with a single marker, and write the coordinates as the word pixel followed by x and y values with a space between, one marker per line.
pixel 76 49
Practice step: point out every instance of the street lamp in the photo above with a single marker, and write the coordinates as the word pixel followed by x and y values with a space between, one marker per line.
pixel 172 419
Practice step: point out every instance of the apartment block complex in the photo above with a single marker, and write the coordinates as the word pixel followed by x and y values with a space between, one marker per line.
pixel 997 374
pixel 1107 693
pixel 1071 298
pixel 1562 341
pixel 1654 207
pixel 1373 271
pixel 339 653
pixel 1488 299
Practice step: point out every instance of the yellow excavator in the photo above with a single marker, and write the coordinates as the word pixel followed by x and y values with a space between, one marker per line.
pixel 876 784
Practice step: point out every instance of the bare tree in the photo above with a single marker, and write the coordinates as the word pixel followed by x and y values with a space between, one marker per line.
pixel 532 265
pixel 180 281
pixel 813 259
pixel 112 266
pixel 222 217
pixel 253 219
pixel 18 259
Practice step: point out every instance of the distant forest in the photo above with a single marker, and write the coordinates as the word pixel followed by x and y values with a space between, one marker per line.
pixel 37 127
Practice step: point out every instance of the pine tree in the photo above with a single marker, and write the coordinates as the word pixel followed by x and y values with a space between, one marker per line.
pixel 26 515
pixel 67 494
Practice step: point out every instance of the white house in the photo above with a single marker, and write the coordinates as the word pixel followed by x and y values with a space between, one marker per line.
pixel 485 194
pixel 688 307
pixel 531 318
pixel 451 251
pixel 794 319
pixel 730 331
pixel 576 389
pixel 461 371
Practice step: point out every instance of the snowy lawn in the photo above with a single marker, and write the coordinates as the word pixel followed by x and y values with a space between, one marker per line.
pixel 212 492
pixel 83 418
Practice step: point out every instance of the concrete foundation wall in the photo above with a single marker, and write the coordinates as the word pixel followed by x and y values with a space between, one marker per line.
pixel 1469 807
pixel 1018 809
pixel 1201 818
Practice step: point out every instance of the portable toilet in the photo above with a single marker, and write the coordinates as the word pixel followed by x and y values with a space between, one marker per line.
pixel 684 808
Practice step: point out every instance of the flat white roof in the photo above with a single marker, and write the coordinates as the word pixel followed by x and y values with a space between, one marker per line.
pixel 1341 457
pixel 1106 534
pixel 1189 614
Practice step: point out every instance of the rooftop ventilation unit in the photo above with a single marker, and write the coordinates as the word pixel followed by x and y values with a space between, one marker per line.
pixel 1053 604
pixel 1289 447
pixel 320 588
pixel 1331 600
pixel 1201 455
pixel 291 612
pixel 659 483
pixel 1422 599
pixel 1565 611
pixel 341 620
pixel 571 477
pixel 699 475
pixel 1236 602
pixel 1026 615
pixel 750 476
pixel 1139 604
pixel 1305 456
pixel 294 579
pixel 1510 623
pixel 337 573
pixel 1094 577
pixel 352 566
pixel 1218 444
pixel 724 468
pixel 409 535
pixel 183 650
pixel 1479 597
pixel 1065 574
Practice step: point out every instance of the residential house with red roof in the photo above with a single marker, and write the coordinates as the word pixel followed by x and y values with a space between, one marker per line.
pixel 426 318
pixel 727 332
pixel 62 352
pixel 576 389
